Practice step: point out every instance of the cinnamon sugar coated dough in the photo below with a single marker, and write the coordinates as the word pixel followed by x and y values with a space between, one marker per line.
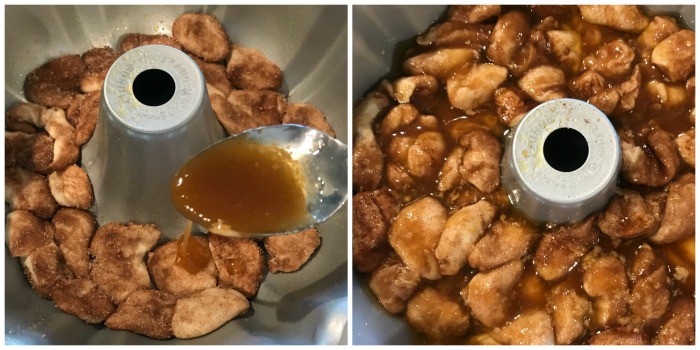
pixel 289 252
pixel 435 236
pixel 126 275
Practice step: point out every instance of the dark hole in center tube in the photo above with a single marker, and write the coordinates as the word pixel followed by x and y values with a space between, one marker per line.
pixel 154 87
pixel 565 149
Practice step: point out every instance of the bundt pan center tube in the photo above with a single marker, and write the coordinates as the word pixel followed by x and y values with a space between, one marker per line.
pixel 562 161
pixel 154 115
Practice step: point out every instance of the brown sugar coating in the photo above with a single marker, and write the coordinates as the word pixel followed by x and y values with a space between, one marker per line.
pixel 71 187
pixel 118 267
pixel 74 231
pixel 202 35
pixel 289 252
pixel 215 76
pixel 206 311
pixel 249 69
pixel 372 214
pixel 26 233
pixel 97 62
pixel 134 40
pixel 82 298
pixel 27 190
pixel 147 312
pixel 82 115
pixel 46 270
pixel 243 110
pixel 55 83
pixel 306 114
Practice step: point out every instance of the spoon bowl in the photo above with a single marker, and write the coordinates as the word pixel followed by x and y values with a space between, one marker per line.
pixel 321 163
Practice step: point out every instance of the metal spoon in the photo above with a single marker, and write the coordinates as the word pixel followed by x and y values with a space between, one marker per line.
pixel 322 164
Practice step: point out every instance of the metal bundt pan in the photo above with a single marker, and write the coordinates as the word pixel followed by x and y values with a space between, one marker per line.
pixel 376 30
pixel 310 44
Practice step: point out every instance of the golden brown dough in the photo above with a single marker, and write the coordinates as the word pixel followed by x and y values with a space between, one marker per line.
pixel 651 288
pixel 55 83
pixel 249 69
pixel 675 56
pixel 27 190
pixel 289 252
pixel 454 33
pixel 306 114
pixel 561 248
pixel 393 283
pixel 678 221
pixel 71 187
pixel 655 168
pixel 134 40
pixel 489 294
pixel 462 229
pixel 660 28
pixel 415 234
pixel 440 63
pixel 239 262
pixel 436 315
pixel 119 268
pixel 26 233
pixel 46 270
pixel 82 115
pixel 570 311
pixel 679 329
pixel 403 89
pixel 627 216
pixel 64 150
pixel 147 312
pixel 174 279
pixel 367 157
pixel 215 76
pixel 531 328
pixel 619 336
pixel 627 18
pixel 206 311
pixel 505 241
pixel 243 110
pixel 97 61
pixel 74 230
pixel 473 13
pixel 372 214
pixel 82 298
pixel 29 151
pixel 202 35
pixel 24 115
pixel 605 280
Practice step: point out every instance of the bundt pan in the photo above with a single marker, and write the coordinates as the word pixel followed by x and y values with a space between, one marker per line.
pixel 376 31
pixel 309 43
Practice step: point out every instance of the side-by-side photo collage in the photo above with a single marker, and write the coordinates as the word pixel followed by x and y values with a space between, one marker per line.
pixel 349 174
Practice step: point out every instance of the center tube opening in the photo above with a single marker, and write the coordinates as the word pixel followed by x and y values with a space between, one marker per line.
pixel 153 87
pixel 565 149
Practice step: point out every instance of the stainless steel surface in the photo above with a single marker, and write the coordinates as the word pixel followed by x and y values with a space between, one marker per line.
pixel 310 44
pixel 546 194
pixel 149 143
pixel 323 164
pixel 376 30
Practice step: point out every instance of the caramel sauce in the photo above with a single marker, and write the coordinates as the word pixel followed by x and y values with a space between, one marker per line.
pixel 192 254
pixel 648 114
pixel 239 185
